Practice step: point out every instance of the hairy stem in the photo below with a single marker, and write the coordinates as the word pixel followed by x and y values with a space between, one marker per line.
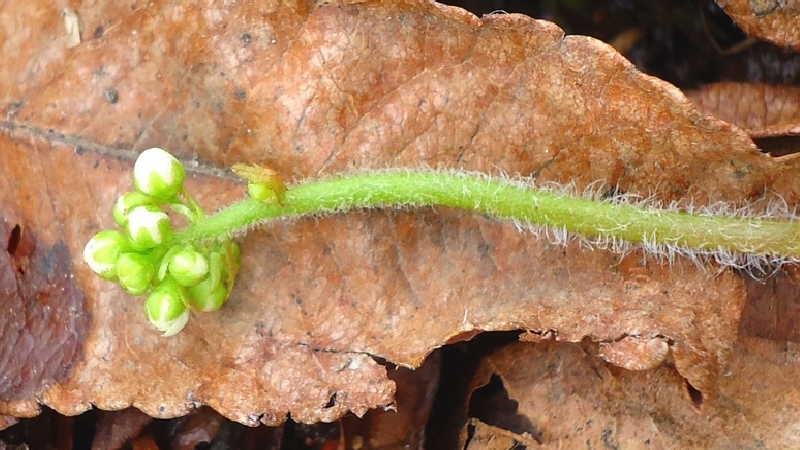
pixel 508 200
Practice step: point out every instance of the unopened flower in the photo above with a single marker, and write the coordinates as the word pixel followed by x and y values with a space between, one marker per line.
pixel 207 297
pixel 103 250
pixel 148 227
pixel 158 174
pixel 211 293
pixel 188 267
pixel 126 203
pixel 261 192
pixel 135 272
pixel 264 184
pixel 166 307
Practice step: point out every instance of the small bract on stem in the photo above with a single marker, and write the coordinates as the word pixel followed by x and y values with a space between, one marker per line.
pixel 194 268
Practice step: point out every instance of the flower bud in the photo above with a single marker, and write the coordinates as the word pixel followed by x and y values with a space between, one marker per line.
pixel 103 250
pixel 206 297
pixel 166 307
pixel 261 192
pixel 135 272
pixel 188 267
pixel 264 184
pixel 161 273
pixel 126 203
pixel 158 174
pixel 148 227
pixel 211 293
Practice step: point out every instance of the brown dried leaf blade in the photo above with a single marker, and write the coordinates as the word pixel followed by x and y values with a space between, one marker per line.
pixel 761 110
pixel 771 20
pixel 574 400
pixel 312 90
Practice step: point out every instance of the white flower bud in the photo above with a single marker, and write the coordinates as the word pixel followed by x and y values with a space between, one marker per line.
pixel 148 227
pixel 158 174
pixel 189 267
pixel 166 307
pixel 126 203
pixel 103 250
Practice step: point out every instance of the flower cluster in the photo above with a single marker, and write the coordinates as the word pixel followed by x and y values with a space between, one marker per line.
pixel 146 256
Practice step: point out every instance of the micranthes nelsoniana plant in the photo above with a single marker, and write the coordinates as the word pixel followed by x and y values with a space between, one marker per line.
pixel 194 268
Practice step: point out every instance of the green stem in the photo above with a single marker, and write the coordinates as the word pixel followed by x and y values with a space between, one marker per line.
pixel 194 207
pixel 510 200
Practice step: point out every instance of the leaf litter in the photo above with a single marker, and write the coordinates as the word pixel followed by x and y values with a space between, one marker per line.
pixel 313 90
pixel 573 400
pixel 762 110
pixel 770 20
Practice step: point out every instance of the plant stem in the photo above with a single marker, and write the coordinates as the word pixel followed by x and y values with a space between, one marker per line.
pixel 511 200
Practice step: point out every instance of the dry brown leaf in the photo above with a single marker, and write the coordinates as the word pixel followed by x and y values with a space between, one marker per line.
pixel 201 426
pixel 761 110
pixel 7 421
pixel 116 428
pixel 313 89
pixel 488 437
pixel 576 401
pixel 404 427
pixel 770 20
pixel 773 309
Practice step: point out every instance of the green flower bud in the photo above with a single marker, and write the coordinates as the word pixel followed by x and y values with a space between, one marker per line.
pixel 166 307
pixel 158 174
pixel 264 184
pixel 206 297
pixel 103 250
pixel 188 267
pixel 135 272
pixel 148 227
pixel 212 292
pixel 126 203
pixel 261 192
pixel 165 260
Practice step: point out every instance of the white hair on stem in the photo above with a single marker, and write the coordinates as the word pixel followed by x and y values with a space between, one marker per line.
pixel 754 263
pixel 772 207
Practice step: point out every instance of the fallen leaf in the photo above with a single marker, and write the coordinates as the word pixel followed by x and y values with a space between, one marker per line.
pixel 45 320
pixel 116 428
pixel 773 309
pixel 7 421
pixel 201 426
pixel 487 437
pixel 635 352
pixel 403 427
pixel 459 363
pixel 489 402
pixel 770 20
pixel 48 430
pixel 761 110
pixel 576 401
pixel 311 90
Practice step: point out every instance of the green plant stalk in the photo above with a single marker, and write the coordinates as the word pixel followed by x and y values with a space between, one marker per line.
pixel 509 200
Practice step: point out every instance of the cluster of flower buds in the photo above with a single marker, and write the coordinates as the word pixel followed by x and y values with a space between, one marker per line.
pixel 146 258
